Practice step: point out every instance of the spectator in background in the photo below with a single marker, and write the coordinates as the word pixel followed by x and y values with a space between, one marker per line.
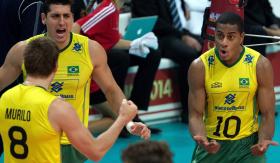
pixel 196 9
pixel 20 20
pixel 259 19
pixel 102 26
pixel 147 152
pixel 81 8
pixel 175 41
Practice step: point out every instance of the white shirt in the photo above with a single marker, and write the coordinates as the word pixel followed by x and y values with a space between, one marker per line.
pixel 181 13
pixel 196 8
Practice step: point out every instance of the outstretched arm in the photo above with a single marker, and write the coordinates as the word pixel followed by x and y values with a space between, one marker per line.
pixel 11 68
pixel 266 102
pixel 79 136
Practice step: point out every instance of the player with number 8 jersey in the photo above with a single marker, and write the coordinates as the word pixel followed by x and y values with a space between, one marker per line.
pixel 16 120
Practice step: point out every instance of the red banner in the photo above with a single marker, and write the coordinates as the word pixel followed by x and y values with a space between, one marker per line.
pixel 216 9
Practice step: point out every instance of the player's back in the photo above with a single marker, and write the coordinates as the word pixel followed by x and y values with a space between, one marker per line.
pixel 25 129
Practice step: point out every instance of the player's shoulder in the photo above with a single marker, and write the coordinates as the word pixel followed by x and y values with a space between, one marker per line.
pixel 60 103
pixel 263 62
pixel 78 36
pixel 197 66
pixel 197 62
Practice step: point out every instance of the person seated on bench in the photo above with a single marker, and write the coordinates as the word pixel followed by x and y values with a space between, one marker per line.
pixel 175 41
pixel 102 25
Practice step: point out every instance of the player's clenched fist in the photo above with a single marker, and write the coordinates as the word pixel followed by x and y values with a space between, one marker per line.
pixel 128 110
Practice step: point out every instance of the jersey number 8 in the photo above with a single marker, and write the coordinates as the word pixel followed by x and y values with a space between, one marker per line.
pixel 18 142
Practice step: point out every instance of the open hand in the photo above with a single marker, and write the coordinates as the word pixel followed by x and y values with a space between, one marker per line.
pixel 140 129
pixel 210 147
pixel 260 148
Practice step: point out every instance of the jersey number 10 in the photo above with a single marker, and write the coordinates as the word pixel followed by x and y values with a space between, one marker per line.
pixel 227 121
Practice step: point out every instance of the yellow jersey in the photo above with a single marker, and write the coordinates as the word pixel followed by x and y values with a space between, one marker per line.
pixel 27 134
pixel 231 111
pixel 73 76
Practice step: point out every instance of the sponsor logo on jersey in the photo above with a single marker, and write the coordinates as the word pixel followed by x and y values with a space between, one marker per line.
pixel 244 82
pixel 229 108
pixel 77 47
pixel 229 100
pixel 248 58
pixel 217 85
pixel 67 96
pixel 56 86
pixel 211 60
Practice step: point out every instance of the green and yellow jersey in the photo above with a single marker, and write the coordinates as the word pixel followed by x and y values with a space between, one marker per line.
pixel 231 111
pixel 73 76
pixel 27 134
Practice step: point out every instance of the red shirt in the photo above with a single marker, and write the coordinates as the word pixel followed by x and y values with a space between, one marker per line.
pixel 102 25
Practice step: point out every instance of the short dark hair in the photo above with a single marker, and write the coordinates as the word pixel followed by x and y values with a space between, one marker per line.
pixel 46 5
pixel 40 57
pixel 231 18
pixel 147 152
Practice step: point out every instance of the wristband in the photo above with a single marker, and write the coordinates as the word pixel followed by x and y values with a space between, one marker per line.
pixel 129 125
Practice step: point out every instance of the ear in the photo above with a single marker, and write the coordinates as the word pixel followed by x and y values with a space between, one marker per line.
pixel 242 35
pixel 43 18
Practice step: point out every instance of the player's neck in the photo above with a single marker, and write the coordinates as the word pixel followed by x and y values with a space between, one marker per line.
pixel 41 82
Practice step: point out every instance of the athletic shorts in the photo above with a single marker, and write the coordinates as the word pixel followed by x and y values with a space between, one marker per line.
pixel 70 155
pixel 231 151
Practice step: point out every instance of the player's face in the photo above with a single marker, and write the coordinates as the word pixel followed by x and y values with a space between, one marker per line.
pixel 59 21
pixel 228 40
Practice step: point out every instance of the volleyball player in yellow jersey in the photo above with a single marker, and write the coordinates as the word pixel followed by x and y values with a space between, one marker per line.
pixel 229 84
pixel 32 119
pixel 80 59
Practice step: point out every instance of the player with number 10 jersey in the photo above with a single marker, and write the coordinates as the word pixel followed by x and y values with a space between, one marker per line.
pixel 231 113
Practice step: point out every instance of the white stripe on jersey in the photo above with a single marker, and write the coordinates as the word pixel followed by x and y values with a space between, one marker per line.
pixel 98 17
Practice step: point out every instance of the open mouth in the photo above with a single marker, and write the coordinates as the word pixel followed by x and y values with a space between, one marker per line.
pixel 60 32
pixel 223 53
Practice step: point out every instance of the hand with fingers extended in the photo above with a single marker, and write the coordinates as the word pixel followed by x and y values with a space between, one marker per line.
pixel 261 147
pixel 128 110
pixel 139 129
pixel 211 146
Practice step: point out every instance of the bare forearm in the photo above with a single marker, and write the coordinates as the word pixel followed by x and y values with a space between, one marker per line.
pixel 266 130
pixel 123 44
pixel 115 99
pixel 196 125
pixel 96 148
pixel 6 78
pixel 108 138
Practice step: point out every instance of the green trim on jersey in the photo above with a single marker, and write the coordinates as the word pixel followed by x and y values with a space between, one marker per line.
pixel 240 56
